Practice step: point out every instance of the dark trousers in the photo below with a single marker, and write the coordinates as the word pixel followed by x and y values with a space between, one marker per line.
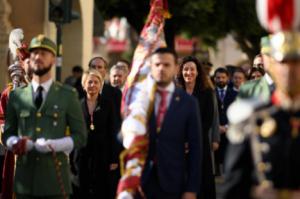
pixel 153 190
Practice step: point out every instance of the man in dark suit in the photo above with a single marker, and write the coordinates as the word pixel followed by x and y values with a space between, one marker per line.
pixel 169 172
pixel 225 96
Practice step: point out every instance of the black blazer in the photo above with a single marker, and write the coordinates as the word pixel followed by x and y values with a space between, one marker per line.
pixel 230 96
pixel 205 99
pixel 92 161
pixel 181 124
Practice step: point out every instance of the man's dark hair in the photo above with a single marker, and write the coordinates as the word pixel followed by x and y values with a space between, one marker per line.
pixel 166 51
pixel 94 58
pixel 77 69
pixel 221 70
pixel 239 70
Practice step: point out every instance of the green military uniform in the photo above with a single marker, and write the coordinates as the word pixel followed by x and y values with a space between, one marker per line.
pixel 59 116
pixel 259 88
pixel 35 171
pixel 256 88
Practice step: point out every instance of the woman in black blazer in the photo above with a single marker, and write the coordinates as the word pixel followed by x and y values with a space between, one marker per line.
pixel 94 161
pixel 194 80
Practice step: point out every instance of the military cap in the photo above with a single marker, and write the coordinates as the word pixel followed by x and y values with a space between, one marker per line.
pixel 265 45
pixel 285 46
pixel 41 41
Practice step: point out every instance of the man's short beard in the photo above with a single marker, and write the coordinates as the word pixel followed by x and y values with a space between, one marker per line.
pixel 42 71
pixel 221 85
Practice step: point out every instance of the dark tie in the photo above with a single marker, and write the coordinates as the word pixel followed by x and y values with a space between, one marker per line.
pixel 39 97
pixel 222 94
pixel 162 108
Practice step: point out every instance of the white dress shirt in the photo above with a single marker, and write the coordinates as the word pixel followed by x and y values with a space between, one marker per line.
pixel 170 89
pixel 46 87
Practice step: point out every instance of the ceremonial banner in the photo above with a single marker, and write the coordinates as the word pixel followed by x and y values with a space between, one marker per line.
pixel 138 100
pixel 278 15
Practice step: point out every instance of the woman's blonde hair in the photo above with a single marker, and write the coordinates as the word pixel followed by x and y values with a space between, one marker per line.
pixel 91 72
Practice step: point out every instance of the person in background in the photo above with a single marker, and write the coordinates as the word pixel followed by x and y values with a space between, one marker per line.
pixel 108 92
pixel 238 78
pixel 117 76
pixel 256 73
pixel 75 80
pixel 94 161
pixel 76 75
pixel 195 82
pixel 225 96
pixel 208 66
pixel 214 133
pixel 126 64
pixel 261 88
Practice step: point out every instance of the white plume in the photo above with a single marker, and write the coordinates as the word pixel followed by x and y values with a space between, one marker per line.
pixel 15 41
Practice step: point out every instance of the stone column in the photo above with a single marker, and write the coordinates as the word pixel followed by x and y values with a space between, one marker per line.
pixel 5 27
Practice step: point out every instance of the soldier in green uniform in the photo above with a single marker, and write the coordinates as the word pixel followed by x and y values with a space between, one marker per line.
pixel 263 159
pixel 37 118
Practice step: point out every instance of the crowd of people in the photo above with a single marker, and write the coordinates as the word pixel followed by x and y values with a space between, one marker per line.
pixel 94 156
pixel 67 144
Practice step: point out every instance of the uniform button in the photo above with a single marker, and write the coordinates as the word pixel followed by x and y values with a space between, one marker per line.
pixel 39 114
pixel 38 129
pixel 55 115
pixel 59 163
pixel 264 167
pixel 37 159
pixel 261 166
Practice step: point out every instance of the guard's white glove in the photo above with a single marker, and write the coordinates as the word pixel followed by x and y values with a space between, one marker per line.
pixel 64 144
pixel 19 145
pixel 42 146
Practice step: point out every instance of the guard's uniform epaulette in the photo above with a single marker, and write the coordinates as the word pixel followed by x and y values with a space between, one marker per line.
pixel 65 87
pixel 244 115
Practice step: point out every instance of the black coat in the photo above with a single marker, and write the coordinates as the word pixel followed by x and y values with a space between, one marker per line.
pixel 205 101
pixel 92 161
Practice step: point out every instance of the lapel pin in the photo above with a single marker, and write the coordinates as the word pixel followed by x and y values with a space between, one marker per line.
pixel 177 98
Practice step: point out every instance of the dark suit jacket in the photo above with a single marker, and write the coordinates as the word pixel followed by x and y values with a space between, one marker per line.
pixel 181 124
pixel 206 99
pixel 114 95
pixel 230 96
